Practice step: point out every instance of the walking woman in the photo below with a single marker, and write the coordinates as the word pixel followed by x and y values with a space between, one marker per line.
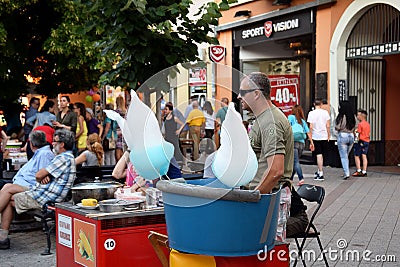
pixel 297 119
pixel 345 126
pixel 121 110
pixel 81 128
pixel 171 133
pixel 46 114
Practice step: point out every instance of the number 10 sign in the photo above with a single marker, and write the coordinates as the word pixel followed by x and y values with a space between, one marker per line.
pixel 285 91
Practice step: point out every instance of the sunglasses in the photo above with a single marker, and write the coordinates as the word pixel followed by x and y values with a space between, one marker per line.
pixel 243 92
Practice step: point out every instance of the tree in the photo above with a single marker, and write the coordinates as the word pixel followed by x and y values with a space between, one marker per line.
pixel 27 31
pixel 68 44
pixel 141 38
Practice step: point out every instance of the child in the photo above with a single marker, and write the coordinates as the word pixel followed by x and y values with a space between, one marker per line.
pixel 361 148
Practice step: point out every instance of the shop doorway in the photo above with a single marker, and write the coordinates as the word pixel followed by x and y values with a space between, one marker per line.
pixel 375 35
pixel 366 91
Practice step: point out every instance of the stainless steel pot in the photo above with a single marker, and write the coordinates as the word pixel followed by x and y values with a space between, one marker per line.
pixel 116 205
pixel 99 191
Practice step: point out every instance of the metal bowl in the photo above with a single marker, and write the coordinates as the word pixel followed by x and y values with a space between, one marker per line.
pixel 99 191
pixel 116 205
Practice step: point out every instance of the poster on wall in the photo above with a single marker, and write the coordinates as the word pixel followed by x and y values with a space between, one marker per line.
pixel 198 84
pixel 84 243
pixel 64 230
pixel 285 91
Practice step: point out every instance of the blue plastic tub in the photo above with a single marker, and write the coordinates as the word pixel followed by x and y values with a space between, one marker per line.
pixel 220 227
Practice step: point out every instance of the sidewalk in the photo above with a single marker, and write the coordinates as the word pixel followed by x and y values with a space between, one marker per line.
pixel 362 213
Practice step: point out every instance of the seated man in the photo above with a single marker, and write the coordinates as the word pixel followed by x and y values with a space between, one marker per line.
pixel 298 220
pixel 53 184
pixel 42 156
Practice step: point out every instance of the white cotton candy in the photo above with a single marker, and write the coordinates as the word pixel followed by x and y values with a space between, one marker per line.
pixel 150 153
pixel 235 162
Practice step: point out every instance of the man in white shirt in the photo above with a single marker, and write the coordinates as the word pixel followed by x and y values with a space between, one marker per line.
pixel 319 120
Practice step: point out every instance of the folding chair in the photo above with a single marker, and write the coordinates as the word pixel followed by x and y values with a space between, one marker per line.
pixel 311 193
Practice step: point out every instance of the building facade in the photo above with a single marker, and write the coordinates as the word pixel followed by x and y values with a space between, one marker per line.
pixel 334 50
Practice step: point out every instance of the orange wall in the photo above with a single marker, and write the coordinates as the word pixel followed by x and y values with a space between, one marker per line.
pixel 256 8
pixel 392 128
pixel 80 97
pixel 223 71
pixel 326 21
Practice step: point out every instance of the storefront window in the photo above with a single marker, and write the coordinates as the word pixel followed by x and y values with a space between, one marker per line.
pixel 285 81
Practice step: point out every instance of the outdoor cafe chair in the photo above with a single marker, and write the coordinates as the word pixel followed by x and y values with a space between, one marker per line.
pixel 310 193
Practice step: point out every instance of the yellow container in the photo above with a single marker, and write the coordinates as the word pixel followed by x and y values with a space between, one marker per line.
pixel 89 202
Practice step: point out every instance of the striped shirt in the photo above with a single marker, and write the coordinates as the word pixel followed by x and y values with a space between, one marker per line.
pixel 62 170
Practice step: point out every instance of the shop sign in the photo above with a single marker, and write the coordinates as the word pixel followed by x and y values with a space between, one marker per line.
pixel 285 91
pixel 270 27
pixel 274 28
pixel 64 230
pixel 216 53
pixel 198 84
pixel 343 90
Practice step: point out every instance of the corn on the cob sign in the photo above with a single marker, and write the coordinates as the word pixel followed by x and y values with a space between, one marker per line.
pixel 84 243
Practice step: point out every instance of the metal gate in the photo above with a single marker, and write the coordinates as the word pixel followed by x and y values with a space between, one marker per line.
pixel 376 34
pixel 367 90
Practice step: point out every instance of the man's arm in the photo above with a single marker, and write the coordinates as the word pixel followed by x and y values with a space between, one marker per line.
pixel 5 140
pixel 276 165
pixel 41 174
pixel 328 129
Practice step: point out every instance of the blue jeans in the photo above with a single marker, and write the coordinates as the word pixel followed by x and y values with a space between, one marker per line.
pixel 298 150
pixel 345 142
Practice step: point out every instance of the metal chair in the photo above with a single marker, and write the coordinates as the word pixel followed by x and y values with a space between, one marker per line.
pixel 311 193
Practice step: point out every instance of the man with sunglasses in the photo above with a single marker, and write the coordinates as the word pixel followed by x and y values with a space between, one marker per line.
pixel 53 184
pixel 271 138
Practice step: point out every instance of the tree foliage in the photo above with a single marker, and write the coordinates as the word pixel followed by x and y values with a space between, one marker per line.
pixel 73 44
pixel 141 38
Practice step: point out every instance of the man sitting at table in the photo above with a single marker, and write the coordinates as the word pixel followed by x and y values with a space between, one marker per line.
pixel 53 184
pixel 42 156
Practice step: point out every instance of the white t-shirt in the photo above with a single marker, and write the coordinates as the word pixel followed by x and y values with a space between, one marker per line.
pixel 318 118
pixel 209 120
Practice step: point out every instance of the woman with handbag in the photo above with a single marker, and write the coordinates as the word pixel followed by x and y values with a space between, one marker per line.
pixel 120 143
pixel 345 126
pixel 297 118
pixel 109 138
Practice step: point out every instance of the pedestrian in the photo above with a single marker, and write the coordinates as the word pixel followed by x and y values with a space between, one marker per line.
pixel 189 108
pixel 30 115
pixel 66 118
pixel 93 124
pixel 171 134
pixel 319 120
pixel 81 128
pixel 219 119
pixel 46 114
pixel 271 138
pixel 361 147
pixel 345 126
pixel 297 121
pixel 109 138
pixel 196 122
pixel 120 144
pixel 208 112
pixel 3 144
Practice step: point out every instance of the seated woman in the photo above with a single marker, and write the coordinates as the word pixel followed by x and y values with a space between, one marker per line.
pixel 125 169
pixel 94 154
